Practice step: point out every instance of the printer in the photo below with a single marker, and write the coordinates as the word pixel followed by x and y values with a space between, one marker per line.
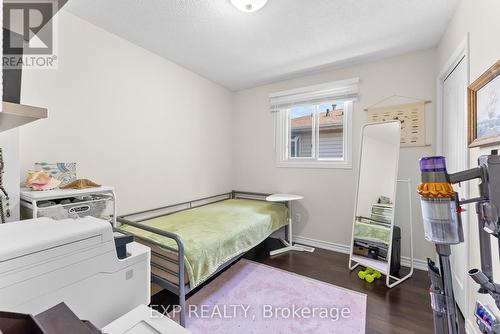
pixel 44 262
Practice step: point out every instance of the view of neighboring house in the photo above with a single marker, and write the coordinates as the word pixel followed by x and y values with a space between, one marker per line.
pixel 331 135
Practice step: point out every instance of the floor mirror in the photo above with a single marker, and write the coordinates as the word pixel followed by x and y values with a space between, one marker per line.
pixel 373 226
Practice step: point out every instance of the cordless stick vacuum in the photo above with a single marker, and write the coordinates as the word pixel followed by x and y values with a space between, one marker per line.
pixel 441 209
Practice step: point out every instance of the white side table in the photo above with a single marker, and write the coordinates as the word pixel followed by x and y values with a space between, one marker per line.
pixel 289 246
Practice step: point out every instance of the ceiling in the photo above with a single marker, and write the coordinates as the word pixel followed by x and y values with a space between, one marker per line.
pixel 285 39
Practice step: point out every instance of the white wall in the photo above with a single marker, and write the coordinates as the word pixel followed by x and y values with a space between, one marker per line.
pixel 157 132
pixel 327 210
pixel 9 142
pixel 479 18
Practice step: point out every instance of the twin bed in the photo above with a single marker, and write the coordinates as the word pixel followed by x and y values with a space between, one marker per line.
pixel 191 242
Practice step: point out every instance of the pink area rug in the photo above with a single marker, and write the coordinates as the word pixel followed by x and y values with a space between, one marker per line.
pixel 254 298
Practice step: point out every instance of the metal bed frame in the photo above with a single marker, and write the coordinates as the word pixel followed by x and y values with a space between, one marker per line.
pixel 180 289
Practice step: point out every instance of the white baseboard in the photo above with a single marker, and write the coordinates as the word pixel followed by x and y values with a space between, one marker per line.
pixel 345 249
pixel 339 248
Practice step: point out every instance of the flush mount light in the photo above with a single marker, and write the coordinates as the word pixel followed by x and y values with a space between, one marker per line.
pixel 249 6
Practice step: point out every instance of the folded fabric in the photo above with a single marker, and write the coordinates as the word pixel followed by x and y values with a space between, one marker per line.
pixel 41 181
pixel 372 232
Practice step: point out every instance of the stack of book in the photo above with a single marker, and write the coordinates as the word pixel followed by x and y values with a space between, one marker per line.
pixel 382 213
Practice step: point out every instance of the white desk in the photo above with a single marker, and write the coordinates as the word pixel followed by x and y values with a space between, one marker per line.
pixel 289 246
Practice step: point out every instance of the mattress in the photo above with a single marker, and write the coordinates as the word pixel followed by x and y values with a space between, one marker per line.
pixel 211 234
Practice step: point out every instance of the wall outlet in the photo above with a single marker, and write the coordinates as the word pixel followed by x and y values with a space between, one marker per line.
pixel 129 274
pixel 297 217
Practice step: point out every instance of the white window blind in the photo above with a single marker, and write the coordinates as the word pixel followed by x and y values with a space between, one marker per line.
pixel 344 90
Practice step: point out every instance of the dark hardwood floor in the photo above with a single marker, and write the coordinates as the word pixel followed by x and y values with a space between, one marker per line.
pixel 402 309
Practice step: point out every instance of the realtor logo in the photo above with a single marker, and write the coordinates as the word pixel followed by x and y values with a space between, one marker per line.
pixel 29 34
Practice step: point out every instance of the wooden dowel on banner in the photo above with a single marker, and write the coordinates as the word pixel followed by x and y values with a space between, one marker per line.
pixel 425 102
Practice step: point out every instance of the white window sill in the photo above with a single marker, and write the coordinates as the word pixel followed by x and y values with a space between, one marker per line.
pixel 314 164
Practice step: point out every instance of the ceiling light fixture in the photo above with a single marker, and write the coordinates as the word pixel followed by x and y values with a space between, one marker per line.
pixel 249 6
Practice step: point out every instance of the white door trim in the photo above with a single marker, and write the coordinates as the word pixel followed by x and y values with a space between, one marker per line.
pixel 453 61
pixel 461 53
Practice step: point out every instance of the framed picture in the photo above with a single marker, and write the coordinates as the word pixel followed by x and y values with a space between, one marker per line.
pixel 484 108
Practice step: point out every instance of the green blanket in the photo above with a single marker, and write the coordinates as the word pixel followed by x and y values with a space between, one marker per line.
pixel 215 233
pixel 372 232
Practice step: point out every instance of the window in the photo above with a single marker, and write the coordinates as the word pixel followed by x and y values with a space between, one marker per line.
pixel 294 146
pixel 313 133
pixel 300 134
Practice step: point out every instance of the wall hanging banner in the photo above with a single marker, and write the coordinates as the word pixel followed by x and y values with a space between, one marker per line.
pixel 411 116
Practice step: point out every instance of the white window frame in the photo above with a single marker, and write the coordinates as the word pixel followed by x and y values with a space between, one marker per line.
pixel 282 142
pixel 296 145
